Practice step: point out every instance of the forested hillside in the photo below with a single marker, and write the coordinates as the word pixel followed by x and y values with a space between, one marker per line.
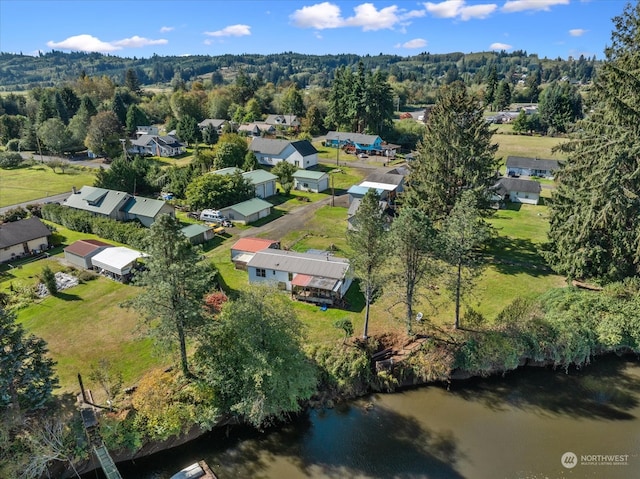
pixel 24 72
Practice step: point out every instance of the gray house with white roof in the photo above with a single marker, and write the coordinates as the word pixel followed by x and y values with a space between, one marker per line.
pixel 315 277
pixel 270 152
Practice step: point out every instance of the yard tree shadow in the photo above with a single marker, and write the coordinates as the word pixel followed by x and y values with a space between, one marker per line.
pixel 516 255
pixel 602 390
pixel 67 296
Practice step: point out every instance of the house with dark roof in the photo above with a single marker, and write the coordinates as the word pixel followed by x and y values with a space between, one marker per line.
pixel 245 248
pixel 79 253
pixel 270 152
pixel 117 205
pixel 216 123
pixel 314 277
pixel 517 190
pixel 387 185
pixel 155 145
pixel 23 238
pixel 523 166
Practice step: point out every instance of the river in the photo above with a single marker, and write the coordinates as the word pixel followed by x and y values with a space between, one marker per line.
pixel 517 426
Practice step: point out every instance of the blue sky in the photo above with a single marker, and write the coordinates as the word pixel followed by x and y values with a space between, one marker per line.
pixel 550 28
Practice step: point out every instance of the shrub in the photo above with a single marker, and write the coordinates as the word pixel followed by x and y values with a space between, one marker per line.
pixel 48 278
pixel 10 159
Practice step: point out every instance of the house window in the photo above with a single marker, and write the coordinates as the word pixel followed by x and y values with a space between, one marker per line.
pixel 297 163
pixel 290 276
pixel 274 272
pixel 306 185
pixel 261 273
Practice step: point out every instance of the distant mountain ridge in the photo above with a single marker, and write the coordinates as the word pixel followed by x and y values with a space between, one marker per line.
pixel 24 72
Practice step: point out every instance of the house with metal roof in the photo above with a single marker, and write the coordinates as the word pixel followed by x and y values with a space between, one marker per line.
pixel 245 248
pixel 247 211
pixel 518 190
pixel 315 277
pixel 117 205
pixel 310 180
pixel 79 253
pixel 523 166
pixel 117 262
pixel 287 121
pixel 270 152
pixel 23 238
pixel 263 181
pixel 197 233
pixel 156 145
pixel 360 143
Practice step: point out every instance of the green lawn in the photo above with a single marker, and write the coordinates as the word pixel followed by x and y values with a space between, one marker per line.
pixel 20 185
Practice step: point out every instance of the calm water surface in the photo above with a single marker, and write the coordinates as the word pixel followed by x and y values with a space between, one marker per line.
pixel 518 426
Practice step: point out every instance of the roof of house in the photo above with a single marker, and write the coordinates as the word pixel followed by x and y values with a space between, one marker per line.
pixel 84 247
pixel 505 185
pixel 304 147
pixel 536 163
pixel 168 141
pixel 252 245
pixel 191 231
pixel 362 190
pixel 360 138
pixel 230 170
pixel 216 122
pixel 281 119
pixel 116 259
pixel 310 174
pixel 268 146
pixel 139 206
pixel 17 232
pixel 386 178
pixel 259 176
pixel 249 127
pixel 311 264
pixel 96 200
pixel 250 207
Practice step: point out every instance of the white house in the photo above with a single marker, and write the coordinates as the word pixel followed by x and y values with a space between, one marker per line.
pixel 245 248
pixel 517 190
pixel 309 180
pixel 287 121
pixel 315 277
pixel 522 166
pixel 270 152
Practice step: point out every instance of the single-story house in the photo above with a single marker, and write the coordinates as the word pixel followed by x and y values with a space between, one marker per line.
pixel 245 248
pixel 218 124
pixel 247 211
pixel 155 145
pixel 79 253
pixel 146 130
pixel 315 277
pixel 360 143
pixel 517 190
pixel 270 152
pixel 353 209
pixel 289 121
pixel 23 238
pixel 390 183
pixel 522 166
pixel 117 205
pixel 309 180
pixel 117 262
pixel 263 181
pixel 358 192
pixel 197 233
pixel 249 129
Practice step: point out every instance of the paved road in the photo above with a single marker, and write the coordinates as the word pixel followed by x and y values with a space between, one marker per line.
pixel 88 162
pixel 49 199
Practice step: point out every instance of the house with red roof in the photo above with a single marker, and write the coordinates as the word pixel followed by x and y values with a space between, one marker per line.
pixel 245 248
pixel 79 253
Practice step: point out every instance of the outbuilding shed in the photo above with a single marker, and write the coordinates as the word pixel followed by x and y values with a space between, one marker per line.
pixel 117 262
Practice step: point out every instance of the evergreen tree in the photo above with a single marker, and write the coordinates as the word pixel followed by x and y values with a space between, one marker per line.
pixel 595 209
pixel 292 102
pixel 135 117
pixel 492 86
pixel 560 106
pixel 367 240
pixel 210 135
pixel 455 155
pixel 27 378
pixel 174 283
pixel 503 96
pixel 119 107
pixel 188 130
pixel 132 82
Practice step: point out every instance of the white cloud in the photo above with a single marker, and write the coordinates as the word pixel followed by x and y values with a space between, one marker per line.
pixel 411 44
pixel 238 30
pixel 577 32
pixel 167 29
pixel 138 42
pixel 84 43
pixel 459 9
pixel 89 43
pixel 500 46
pixel 512 6
pixel 328 15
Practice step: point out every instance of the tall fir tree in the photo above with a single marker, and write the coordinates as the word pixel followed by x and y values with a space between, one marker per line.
pixel 595 209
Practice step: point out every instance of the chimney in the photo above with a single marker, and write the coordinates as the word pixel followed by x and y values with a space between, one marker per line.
pixel 73 190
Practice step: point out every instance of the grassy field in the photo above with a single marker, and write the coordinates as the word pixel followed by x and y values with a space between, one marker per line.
pixel 20 185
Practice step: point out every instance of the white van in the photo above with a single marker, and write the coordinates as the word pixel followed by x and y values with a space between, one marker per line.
pixel 211 215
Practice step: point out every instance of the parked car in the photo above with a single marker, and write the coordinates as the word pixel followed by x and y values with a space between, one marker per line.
pixel 362 155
